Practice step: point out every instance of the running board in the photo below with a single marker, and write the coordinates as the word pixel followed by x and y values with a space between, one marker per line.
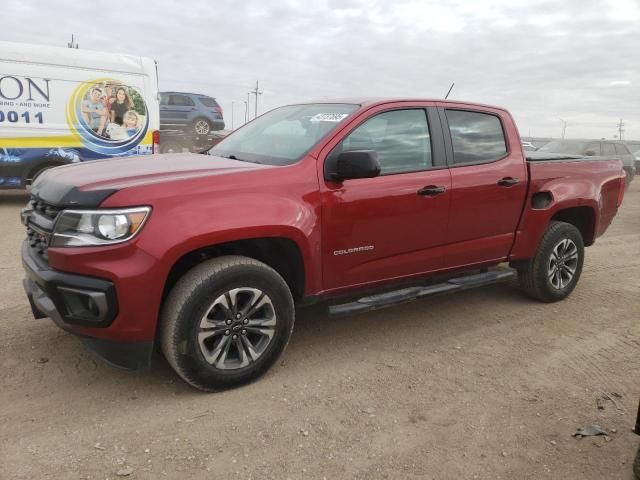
pixel 404 295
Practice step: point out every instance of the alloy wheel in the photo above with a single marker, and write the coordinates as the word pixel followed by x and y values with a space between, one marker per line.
pixel 202 127
pixel 562 264
pixel 237 328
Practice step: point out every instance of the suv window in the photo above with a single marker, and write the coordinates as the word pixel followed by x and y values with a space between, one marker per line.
pixel 180 101
pixel 608 149
pixel 477 137
pixel 594 147
pixel 208 102
pixel 622 149
pixel 400 137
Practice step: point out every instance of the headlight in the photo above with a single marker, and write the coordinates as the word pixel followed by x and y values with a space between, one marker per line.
pixel 84 228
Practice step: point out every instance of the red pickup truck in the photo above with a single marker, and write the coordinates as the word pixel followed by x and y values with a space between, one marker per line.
pixel 361 204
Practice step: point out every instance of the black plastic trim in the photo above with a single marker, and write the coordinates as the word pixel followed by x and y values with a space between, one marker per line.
pixel 48 280
pixel 62 195
pixel 135 355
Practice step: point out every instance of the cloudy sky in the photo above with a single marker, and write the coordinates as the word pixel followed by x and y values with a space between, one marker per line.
pixel 577 60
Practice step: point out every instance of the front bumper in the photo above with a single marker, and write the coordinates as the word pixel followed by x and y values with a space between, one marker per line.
pixel 73 301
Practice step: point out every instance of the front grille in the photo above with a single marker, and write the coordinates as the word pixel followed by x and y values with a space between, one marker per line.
pixel 46 209
pixel 39 217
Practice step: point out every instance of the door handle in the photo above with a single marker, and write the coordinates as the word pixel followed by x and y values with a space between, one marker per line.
pixel 431 191
pixel 508 182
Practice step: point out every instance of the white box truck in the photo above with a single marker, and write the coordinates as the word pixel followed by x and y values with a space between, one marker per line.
pixel 63 105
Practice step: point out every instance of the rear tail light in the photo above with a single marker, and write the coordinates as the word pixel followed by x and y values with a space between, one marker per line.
pixel 156 141
pixel 623 182
pixel 219 110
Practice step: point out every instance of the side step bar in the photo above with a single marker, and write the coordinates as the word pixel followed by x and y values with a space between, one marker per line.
pixel 404 295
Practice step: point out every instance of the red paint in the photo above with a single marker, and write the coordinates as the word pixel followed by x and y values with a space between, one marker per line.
pixel 199 201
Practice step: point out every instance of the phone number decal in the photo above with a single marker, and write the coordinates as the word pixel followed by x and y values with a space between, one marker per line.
pixel 12 116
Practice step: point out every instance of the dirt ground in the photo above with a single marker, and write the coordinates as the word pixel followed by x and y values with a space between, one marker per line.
pixel 484 384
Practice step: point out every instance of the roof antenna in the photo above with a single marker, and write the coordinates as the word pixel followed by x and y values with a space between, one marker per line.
pixel 450 88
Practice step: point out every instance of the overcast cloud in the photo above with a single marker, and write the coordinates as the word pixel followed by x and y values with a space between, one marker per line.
pixel 578 60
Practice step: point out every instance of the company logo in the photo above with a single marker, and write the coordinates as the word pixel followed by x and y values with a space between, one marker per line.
pixel 353 250
pixel 24 88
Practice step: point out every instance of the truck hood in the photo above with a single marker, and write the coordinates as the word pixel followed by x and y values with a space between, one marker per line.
pixel 89 183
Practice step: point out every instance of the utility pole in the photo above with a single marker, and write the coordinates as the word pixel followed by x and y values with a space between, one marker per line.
pixel 564 127
pixel 256 92
pixel 620 126
pixel 246 111
pixel 248 104
pixel 72 43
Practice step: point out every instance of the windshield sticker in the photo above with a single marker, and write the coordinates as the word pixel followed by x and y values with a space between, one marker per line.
pixel 328 117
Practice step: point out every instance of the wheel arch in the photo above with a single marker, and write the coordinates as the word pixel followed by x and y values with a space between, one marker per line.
pixel 583 218
pixel 280 253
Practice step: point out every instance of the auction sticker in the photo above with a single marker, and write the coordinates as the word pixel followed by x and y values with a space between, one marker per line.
pixel 328 117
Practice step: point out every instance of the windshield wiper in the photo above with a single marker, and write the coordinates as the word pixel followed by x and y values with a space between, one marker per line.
pixel 233 157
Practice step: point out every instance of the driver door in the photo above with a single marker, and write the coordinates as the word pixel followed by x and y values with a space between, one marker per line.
pixel 393 225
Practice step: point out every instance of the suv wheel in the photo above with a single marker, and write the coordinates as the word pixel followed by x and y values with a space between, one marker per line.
pixel 201 126
pixel 553 272
pixel 226 322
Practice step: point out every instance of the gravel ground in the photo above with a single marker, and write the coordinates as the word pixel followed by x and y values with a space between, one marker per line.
pixel 483 384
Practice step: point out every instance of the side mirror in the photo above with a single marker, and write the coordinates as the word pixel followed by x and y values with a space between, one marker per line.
pixel 356 164
pixel 590 153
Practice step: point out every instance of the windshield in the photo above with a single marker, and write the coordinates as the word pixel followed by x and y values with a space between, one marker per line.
pixel 282 136
pixel 564 146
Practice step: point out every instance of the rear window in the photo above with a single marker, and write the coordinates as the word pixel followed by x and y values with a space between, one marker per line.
pixel 477 137
pixel 208 102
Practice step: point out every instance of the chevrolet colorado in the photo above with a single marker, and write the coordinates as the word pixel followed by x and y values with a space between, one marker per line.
pixel 360 204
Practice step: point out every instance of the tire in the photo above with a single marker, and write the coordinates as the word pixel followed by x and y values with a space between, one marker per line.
pixel 636 464
pixel 550 280
pixel 195 321
pixel 628 180
pixel 170 147
pixel 201 126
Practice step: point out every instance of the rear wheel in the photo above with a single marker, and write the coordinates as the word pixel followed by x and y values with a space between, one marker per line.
pixel 554 271
pixel 226 322
pixel 201 126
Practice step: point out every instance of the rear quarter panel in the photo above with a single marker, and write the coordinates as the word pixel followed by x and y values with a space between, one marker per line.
pixel 594 184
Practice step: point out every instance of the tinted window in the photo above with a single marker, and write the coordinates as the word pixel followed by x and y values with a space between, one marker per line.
pixel 164 99
pixel 608 149
pixel 180 101
pixel 476 137
pixel 622 149
pixel 593 147
pixel 401 139
pixel 208 102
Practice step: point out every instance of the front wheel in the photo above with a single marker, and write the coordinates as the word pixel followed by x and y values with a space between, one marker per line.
pixel 554 271
pixel 226 322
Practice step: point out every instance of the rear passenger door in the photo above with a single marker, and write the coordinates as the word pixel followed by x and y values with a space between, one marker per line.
pixel 488 184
